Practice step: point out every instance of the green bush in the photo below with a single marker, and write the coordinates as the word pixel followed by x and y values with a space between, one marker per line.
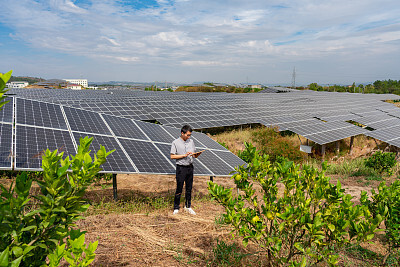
pixel 273 144
pixel 382 162
pixel 386 203
pixel 32 227
pixel 307 223
pixel 227 255
pixel 248 153
pixel 3 80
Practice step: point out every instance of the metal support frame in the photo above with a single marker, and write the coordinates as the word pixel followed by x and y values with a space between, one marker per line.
pixel 115 186
pixel 337 147
pixel 212 178
pixel 351 144
pixel 323 152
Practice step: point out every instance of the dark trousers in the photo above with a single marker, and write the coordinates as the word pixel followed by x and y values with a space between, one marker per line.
pixel 184 174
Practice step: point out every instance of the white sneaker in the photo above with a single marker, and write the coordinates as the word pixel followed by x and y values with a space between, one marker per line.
pixel 190 211
pixel 175 212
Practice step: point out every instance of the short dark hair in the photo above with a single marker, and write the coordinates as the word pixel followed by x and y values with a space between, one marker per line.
pixel 186 128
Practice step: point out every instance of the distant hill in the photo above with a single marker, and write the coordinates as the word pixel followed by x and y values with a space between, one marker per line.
pixel 30 80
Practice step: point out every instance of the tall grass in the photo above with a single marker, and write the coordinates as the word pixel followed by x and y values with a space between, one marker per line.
pixel 346 168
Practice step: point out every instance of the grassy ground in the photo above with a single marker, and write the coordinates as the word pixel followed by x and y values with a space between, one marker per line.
pixel 140 230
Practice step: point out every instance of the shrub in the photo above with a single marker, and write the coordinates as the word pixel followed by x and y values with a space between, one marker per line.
pixel 32 227
pixel 382 162
pixel 3 80
pixel 248 153
pixel 274 145
pixel 386 203
pixel 305 225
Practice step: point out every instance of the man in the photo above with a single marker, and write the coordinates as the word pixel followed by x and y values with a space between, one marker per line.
pixel 182 150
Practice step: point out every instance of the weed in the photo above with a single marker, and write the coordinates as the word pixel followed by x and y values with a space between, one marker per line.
pixel 393 259
pixel 180 256
pixel 220 220
pixel 360 253
pixel 227 255
pixel 374 177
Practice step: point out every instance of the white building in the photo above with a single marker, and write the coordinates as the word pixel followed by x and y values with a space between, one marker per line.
pixel 82 82
pixel 74 86
pixel 255 86
pixel 17 84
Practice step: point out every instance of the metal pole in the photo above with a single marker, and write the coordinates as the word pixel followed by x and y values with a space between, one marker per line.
pixel 323 152
pixel 337 147
pixel 351 144
pixel 115 186
pixel 212 178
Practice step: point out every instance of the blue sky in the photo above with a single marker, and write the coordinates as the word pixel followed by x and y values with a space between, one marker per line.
pixel 257 41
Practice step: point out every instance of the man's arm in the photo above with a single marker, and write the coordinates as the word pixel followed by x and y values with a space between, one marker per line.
pixel 173 156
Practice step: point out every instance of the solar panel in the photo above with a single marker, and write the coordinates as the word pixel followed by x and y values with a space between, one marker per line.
pixel 6 141
pixel 385 134
pixel 202 140
pixel 32 141
pixel 124 127
pixel 207 110
pixel 229 158
pixel 147 157
pixel 384 124
pixel 335 135
pixel 155 132
pixel 214 163
pixel 42 114
pixel 6 113
pixel 175 132
pixel 117 162
pixel 86 121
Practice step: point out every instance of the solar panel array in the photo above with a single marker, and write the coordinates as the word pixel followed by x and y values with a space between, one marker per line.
pixel 140 147
pixel 322 117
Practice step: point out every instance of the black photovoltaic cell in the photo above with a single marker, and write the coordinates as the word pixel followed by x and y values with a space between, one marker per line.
pixel 199 169
pixel 205 141
pixel 124 127
pixel 40 114
pixel 385 134
pixel 155 132
pixel 229 158
pixel 175 132
pixel 384 124
pixel 116 161
pixel 215 164
pixel 31 142
pixel 6 146
pixel 335 135
pixel 6 112
pixel 86 121
pixel 146 157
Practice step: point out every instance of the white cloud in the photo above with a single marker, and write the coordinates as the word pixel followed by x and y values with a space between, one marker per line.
pixel 245 34
pixel 67 6
pixel 207 63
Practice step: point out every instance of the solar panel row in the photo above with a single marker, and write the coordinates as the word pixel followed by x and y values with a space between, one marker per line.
pixel 294 110
pixel 140 147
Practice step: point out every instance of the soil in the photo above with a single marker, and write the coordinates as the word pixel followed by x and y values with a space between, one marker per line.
pixel 158 238
pixel 155 237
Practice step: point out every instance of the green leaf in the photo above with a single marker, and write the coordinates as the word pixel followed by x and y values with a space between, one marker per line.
pixel 4 258
pixel 17 251
pixel 4 79
pixel 303 262
pixel 16 262
pixel 299 247
pixel 331 227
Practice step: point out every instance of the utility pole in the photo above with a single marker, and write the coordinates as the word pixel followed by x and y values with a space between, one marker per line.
pixel 294 78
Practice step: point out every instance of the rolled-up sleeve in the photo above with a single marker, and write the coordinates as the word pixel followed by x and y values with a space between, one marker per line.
pixel 173 148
